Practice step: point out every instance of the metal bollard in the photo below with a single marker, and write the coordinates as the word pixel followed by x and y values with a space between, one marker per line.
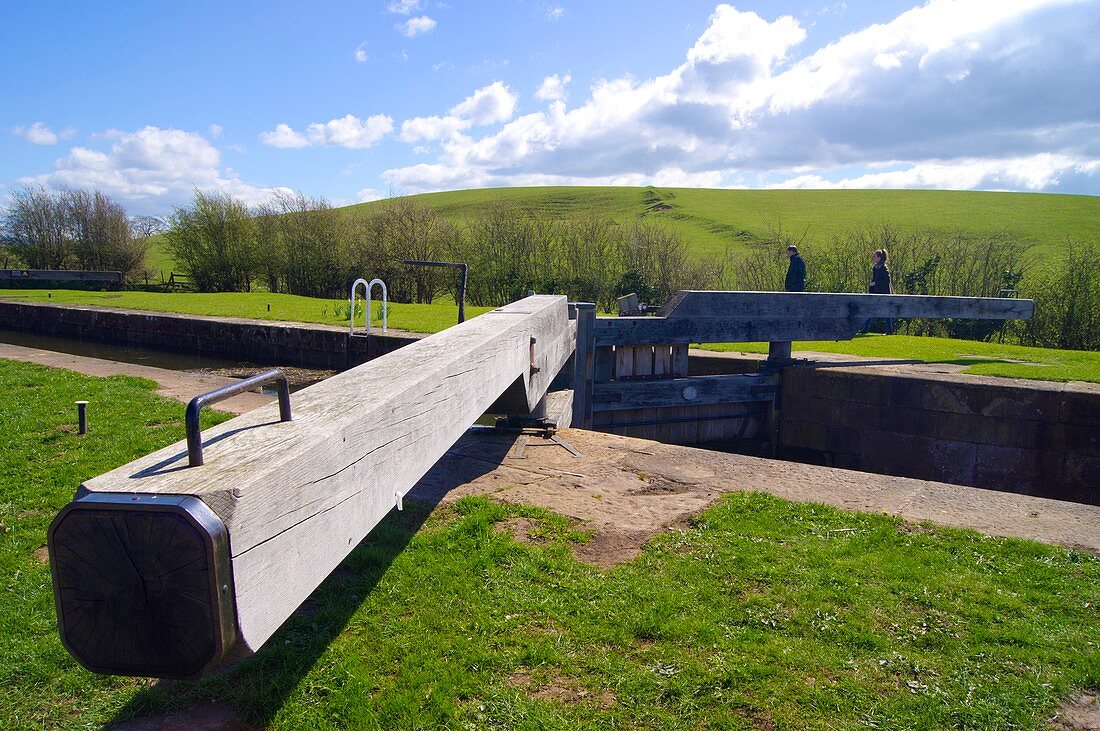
pixel 82 417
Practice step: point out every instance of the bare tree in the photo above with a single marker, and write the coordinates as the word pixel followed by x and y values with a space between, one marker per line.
pixel 36 230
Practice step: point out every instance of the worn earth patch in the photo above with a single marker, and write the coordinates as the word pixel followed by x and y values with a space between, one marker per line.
pixel 559 689
pixel 1080 712
pixel 216 717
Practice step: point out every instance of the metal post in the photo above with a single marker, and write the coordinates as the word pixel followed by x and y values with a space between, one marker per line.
pixel 779 353
pixel 462 270
pixel 82 417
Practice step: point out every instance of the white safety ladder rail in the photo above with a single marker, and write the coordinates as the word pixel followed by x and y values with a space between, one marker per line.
pixel 368 287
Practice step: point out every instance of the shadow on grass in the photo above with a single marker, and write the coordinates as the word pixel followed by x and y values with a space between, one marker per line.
pixel 258 686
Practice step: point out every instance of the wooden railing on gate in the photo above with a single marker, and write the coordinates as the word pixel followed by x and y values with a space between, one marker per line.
pixel 631 373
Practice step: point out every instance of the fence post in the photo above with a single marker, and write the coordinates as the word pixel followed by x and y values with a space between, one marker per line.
pixel 583 366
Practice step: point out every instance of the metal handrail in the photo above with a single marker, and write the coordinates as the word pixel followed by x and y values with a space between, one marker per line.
pixel 194 407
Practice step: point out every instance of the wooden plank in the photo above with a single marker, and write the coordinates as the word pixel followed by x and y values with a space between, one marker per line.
pixel 643 361
pixel 60 275
pixel 624 361
pixel 693 391
pixel 730 305
pixel 662 359
pixel 680 360
pixel 295 497
pixel 583 363
pixel 654 330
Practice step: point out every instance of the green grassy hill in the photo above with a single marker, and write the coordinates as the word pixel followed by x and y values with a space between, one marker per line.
pixel 711 220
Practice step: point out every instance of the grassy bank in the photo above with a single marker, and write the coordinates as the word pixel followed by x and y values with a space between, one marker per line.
pixel 986 359
pixel 760 613
pixel 254 305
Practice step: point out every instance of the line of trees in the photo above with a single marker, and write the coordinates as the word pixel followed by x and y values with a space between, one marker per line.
pixel 72 229
pixel 302 245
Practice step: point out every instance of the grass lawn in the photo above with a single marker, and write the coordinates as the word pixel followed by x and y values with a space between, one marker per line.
pixel 760 613
pixel 987 359
pixel 284 307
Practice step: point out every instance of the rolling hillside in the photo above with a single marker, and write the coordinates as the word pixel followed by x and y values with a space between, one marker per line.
pixel 711 220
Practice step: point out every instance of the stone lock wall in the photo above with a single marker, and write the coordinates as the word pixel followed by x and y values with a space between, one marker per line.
pixel 1027 437
pixel 274 343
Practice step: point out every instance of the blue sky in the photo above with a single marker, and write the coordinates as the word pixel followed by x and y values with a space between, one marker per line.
pixel 354 101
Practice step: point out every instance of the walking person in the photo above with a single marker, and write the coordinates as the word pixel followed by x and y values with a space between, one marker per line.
pixel 881 283
pixel 796 271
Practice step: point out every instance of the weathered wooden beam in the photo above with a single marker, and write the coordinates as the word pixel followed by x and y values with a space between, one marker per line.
pixel 163 570
pixel 676 392
pixel 738 317
pixel 584 363
pixel 768 305
pixel 658 330
pixel 60 275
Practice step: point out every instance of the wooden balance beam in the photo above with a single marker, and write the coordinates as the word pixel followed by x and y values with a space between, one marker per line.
pixel 165 570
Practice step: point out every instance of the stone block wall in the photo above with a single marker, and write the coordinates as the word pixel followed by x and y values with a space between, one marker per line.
pixel 1028 437
pixel 274 343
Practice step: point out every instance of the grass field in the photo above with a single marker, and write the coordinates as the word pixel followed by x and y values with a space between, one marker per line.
pixel 761 613
pixel 284 307
pixel 710 220
pixel 987 359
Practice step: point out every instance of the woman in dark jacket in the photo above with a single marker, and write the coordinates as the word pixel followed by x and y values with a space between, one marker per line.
pixel 880 283
pixel 880 273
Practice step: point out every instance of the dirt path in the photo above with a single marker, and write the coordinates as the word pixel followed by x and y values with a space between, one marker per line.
pixel 180 385
pixel 626 490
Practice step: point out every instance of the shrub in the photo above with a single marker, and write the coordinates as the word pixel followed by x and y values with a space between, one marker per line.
pixel 215 239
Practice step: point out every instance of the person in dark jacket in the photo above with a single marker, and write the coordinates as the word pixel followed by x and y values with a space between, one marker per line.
pixel 880 283
pixel 796 271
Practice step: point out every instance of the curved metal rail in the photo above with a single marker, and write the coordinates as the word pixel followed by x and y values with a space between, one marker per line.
pixel 368 287
pixel 194 408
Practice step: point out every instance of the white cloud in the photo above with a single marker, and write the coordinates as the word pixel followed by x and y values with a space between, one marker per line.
pixel 215 131
pixel 368 194
pixel 556 12
pixel 552 88
pixel 417 26
pixel 947 87
pixel 150 170
pixel 403 7
pixel 361 52
pixel 39 134
pixel 283 136
pixel 348 131
pixel 1033 173
pixel 490 104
